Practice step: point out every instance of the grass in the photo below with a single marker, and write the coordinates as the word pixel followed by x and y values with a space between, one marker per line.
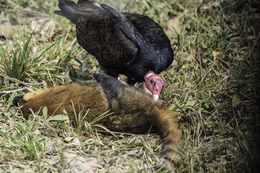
pixel 212 85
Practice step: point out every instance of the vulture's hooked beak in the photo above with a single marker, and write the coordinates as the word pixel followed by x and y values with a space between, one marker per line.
pixel 154 83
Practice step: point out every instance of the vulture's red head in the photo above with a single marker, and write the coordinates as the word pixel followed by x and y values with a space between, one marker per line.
pixel 154 83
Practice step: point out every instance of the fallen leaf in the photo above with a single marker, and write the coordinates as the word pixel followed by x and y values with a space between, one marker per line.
pixel 59 117
pixel 68 139
pixel 37 132
pixel 174 24
pixel 190 102
pixel 7 30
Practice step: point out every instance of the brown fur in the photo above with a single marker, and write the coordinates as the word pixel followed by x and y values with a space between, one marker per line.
pixel 133 111
pixel 69 99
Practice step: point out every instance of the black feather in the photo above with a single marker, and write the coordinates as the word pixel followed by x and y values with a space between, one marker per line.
pixel 69 10
pixel 123 43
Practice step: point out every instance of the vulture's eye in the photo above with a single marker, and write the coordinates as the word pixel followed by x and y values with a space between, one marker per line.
pixel 151 81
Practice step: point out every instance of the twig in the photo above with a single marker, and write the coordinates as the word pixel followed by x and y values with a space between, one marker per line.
pixel 18 81
pixel 16 90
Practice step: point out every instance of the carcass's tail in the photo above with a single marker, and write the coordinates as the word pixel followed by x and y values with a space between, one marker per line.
pixel 69 10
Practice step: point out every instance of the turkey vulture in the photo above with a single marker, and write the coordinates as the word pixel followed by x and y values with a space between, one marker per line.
pixel 133 111
pixel 123 43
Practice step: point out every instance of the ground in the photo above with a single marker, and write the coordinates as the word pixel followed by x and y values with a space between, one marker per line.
pixel 212 85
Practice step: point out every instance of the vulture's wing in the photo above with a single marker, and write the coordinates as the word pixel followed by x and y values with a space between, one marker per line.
pixel 103 31
pixel 153 34
pixel 151 31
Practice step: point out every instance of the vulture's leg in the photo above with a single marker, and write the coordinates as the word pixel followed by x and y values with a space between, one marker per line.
pixel 85 72
pixel 131 81
pixel 112 73
pixel 85 76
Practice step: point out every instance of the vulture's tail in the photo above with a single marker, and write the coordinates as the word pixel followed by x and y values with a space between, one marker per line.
pixel 87 9
pixel 69 10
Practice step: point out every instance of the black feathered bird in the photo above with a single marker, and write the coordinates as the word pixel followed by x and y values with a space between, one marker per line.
pixel 123 43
